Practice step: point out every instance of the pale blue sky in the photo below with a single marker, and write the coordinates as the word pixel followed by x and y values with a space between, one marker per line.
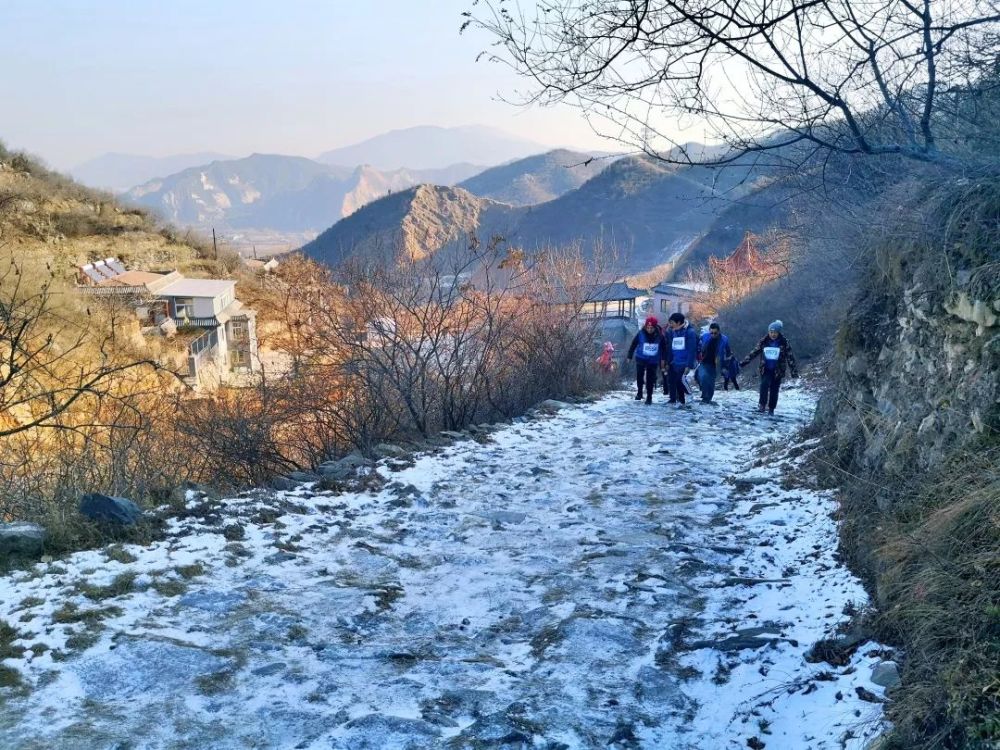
pixel 82 78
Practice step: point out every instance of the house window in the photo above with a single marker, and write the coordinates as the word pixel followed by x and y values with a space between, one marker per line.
pixel 240 330
pixel 664 305
pixel 184 307
pixel 239 358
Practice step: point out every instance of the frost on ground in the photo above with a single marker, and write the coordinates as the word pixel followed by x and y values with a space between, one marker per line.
pixel 615 575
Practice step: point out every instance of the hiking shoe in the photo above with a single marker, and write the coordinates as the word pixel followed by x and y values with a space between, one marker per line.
pixel 770 412
pixel 649 401
pixel 761 408
pixel 638 397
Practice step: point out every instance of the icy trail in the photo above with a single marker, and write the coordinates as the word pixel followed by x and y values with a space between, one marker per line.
pixel 615 575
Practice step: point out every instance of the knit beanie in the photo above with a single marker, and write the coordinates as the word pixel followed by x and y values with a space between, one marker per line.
pixel 775 326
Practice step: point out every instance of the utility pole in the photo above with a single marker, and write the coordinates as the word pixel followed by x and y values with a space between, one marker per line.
pixel 215 247
pixel 254 252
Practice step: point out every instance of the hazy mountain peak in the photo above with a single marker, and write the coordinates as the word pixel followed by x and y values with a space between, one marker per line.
pixel 118 172
pixel 535 179
pixel 434 147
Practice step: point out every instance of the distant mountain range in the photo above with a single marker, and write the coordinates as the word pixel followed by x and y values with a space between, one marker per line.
pixel 119 172
pixel 431 147
pixel 641 210
pixel 292 194
pixel 283 193
pixel 418 148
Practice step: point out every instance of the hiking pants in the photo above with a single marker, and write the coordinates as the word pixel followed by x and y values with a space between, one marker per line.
pixel 675 384
pixel 706 379
pixel 645 376
pixel 770 383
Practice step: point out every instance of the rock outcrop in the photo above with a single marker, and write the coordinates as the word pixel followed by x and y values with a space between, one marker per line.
pixel 917 372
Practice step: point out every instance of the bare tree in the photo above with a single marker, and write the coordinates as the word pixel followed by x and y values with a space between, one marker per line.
pixel 470 334
pixel 792 77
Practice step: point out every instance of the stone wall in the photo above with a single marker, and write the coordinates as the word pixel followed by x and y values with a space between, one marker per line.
pixel 917 368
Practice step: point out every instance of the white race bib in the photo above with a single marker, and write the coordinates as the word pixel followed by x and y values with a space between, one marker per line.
pixel 650 350
pixel 677 343
pixel 771 353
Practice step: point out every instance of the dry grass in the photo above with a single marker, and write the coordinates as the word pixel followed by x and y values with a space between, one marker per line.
pixel 940 584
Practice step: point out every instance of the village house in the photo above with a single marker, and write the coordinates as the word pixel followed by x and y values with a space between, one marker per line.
pixel 615 306
pixel 219 330
pixel 676 297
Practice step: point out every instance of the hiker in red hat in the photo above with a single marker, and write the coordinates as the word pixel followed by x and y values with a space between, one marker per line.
pixel 650 352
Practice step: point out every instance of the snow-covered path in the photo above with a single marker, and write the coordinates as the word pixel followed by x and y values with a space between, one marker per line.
pixel 612 576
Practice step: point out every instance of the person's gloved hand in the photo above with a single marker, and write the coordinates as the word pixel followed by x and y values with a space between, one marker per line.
pixel 744 362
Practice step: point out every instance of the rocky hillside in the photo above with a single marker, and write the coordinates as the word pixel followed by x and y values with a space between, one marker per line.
pixel 769 207
pixel 918 367
pixel 283 193
pixel 642 210
pixel 913 425
pixel 412 224
pixel 48 219
pixel 535 179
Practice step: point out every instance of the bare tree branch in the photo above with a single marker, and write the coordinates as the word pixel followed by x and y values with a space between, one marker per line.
pixel 850 76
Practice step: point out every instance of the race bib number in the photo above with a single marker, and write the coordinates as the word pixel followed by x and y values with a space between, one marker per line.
pixel 677 343
pixel 650 350
pixel 771 353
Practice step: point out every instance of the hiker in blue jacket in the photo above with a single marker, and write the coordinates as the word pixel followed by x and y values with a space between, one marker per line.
pixel 682 354
pixel 649 350
pixel 776 358
pixel 713 353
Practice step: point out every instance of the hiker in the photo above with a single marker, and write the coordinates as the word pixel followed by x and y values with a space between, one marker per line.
pixel 713 354
pixel 606 362
pixel 682 352
pixel 776 356
pixel 649 350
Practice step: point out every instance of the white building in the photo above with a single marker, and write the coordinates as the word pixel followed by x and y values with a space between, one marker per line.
pixel 221 329
pixel 676 297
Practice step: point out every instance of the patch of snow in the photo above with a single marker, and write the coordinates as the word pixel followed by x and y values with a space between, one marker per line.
pixel 557 581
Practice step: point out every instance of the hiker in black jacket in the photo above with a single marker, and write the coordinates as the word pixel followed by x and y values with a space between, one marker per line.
pixel 776 358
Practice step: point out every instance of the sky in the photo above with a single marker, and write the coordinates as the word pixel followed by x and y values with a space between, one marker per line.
pixel 242 76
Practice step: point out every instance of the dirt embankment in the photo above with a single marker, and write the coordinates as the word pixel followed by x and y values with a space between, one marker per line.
pixel 912 422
